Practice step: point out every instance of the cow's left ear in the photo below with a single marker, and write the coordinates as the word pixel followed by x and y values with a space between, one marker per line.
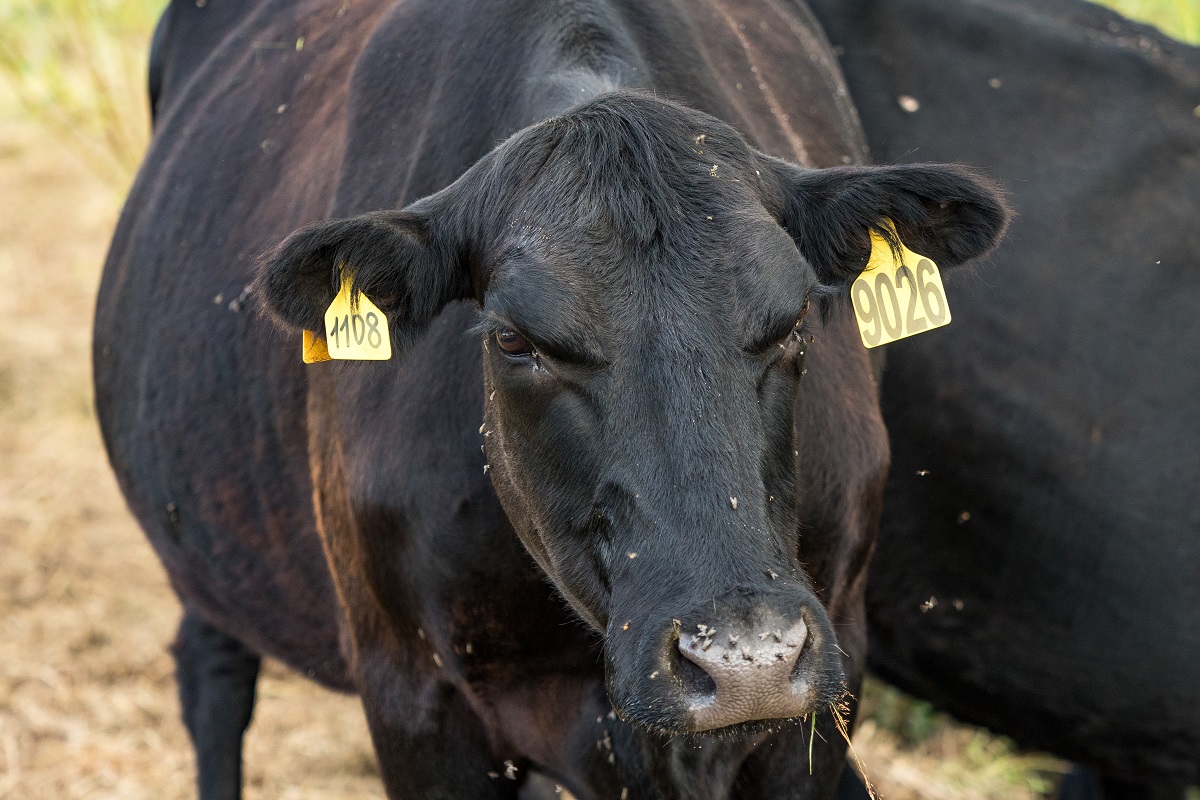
pixel 942 211
pixel 398 259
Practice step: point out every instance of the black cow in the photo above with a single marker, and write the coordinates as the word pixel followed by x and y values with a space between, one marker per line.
pixel 1046 452
pixel 617 290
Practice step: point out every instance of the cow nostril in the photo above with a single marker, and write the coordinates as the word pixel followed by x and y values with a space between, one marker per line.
pixel 755 674
pixel 697 683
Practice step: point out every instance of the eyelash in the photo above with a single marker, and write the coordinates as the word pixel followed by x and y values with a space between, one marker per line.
pixel 490 329
pixel 523 346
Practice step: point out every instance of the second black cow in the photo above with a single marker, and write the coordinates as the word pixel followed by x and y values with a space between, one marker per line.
pixel 1047 451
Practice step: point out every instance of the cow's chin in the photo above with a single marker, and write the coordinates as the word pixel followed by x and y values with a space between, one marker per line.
pixel 664 717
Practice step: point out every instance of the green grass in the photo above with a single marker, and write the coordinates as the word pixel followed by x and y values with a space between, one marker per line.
pixel 955 759
pixel 1178 18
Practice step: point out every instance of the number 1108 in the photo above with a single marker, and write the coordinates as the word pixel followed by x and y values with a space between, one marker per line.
pixel 356 328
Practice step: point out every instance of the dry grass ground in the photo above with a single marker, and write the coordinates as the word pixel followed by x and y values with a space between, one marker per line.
pixel 87 696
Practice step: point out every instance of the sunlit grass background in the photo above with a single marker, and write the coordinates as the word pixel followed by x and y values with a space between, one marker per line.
pixel 1178 18
pixel 75 71
pixel 78 67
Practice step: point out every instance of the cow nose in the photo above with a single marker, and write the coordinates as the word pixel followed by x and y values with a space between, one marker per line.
pixel 744 675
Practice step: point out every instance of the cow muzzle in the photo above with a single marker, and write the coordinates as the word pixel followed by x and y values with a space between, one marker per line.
pixel 744 673
pixel 748 656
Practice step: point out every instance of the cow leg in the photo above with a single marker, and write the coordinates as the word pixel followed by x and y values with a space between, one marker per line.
pixel 216 674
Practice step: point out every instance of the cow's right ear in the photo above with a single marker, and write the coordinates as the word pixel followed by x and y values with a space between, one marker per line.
pixel 943 211
pixel 396 258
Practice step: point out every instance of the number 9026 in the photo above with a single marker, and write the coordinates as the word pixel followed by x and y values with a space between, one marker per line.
pixel 892 307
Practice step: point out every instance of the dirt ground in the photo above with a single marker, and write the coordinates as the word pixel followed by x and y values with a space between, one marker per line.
pixel 87 696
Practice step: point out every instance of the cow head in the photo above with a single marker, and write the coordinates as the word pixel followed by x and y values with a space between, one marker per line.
pixel 645 280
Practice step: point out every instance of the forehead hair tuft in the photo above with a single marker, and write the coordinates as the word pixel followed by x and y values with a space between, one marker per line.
pixel 644 168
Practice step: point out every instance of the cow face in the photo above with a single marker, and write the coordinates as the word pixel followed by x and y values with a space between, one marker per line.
pixel 646 282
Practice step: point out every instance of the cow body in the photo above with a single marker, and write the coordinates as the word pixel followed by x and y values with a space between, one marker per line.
pixel 1045 455
pixel 342 517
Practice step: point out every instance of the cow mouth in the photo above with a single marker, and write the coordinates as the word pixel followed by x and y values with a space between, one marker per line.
pixel 823 702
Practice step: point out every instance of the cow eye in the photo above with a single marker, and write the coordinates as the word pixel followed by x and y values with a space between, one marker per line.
pixel 513 343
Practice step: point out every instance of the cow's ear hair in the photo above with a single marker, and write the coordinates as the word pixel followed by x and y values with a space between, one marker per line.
pixel 942 211
pixel 396 258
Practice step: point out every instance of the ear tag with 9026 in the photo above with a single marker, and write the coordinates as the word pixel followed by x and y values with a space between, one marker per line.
pixel 355 329
pixel 897 297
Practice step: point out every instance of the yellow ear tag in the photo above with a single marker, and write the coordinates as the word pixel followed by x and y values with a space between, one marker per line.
pixel 355 329
pixel 895 299
pixel 314 349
